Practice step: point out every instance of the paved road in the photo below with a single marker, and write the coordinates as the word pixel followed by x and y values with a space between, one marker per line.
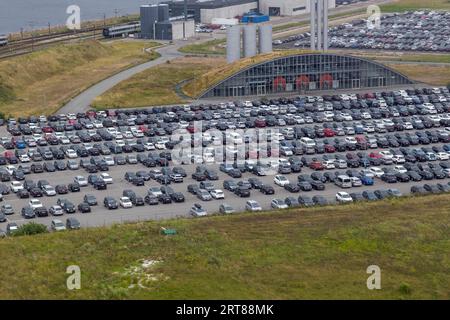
pixel 82 102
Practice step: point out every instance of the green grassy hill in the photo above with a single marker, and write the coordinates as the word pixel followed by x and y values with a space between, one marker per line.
pixel 295 254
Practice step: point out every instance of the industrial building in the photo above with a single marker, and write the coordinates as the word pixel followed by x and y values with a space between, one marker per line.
pixel 306 72
pixel 156 24
pixel 205 11
pixel 244 38
pixel 319 24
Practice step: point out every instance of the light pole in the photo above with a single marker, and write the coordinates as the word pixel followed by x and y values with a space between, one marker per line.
pixel 154 30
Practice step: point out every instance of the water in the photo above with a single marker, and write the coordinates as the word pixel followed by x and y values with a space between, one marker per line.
pixel 37 14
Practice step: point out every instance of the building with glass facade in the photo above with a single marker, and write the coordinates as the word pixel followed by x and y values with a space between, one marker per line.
pixel 306 72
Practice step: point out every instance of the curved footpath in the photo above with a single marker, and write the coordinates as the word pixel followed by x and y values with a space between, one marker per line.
pixel 83 101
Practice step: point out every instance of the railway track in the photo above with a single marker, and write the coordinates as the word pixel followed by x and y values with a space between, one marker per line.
pixel 23 46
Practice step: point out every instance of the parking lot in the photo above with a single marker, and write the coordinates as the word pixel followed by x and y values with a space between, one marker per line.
pixel 409 31
pixel 326 145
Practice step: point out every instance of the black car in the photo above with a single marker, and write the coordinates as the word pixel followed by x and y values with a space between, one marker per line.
pixel 305 186
pixel 61 189
pixel 357 196
pixel 292 187
pixel 151 200
pixel 382 194
pixel 242 192
pixel 164 198
pixel 90 199
pixel 177 197
pixel 74 187
pixel 137 201
pixel 389 177
pixel 267 189
pixel 230 185
pixel 317 185
pixel 292 202
pixel 235 173
pixel 35 192
pixel 255 183
pixel 319 200
pixel 418 190
pixel 369 195
pixel 23 194
pixel 28 213
pixel 431 188
pixel 110 203
pixel 84 207
pixel 41 212
pixel 305 201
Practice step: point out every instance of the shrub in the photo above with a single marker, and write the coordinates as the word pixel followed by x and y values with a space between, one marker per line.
pixel 405 288
pixel 31 229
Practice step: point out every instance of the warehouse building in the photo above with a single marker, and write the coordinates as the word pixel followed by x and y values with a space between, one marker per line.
pixel 306 72
pixel 205 11
pixel 156 24
pixel 287 7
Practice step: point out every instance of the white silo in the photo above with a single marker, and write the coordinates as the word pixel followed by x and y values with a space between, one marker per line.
pixel 250 40
pixel 265 38
pixel 233 43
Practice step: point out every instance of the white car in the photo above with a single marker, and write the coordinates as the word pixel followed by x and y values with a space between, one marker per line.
pixel 386 154
pixel 125 202
pixel 400 169
pixel 197 211
pixel 24 158
pixel 343 197
pixel 82 181
pixel 443 156
pixel 10 168
pixel 109 160
pixel 252 205
pixel 217 194
pixel 48 190
pixel 377 172
pixel 356 182
pixel 106 178
pixel 35 203
pixel 280 180
pixel 398 158
pixel 148 146
pixel 71 154
pixel 160 145
pixel 57 225
pixel 56 210
pixel 278 204
pixel 328 164
pixel 64 140
pixel 16 186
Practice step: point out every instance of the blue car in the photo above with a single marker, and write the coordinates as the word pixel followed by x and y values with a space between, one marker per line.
pixel 367 181
pixel 20 144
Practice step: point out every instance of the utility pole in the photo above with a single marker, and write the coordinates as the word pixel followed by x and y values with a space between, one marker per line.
pixel 49 28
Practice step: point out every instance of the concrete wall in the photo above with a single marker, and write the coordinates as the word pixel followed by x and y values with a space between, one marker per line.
pixel 177 29
pixel 206 15
pixel 287 7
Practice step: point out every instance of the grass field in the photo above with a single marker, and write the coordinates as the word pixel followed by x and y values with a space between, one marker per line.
pixel 40 82
pixel 430 74
pixel 156 86
pixel 304 253
pixel 216 46
pixel 408 5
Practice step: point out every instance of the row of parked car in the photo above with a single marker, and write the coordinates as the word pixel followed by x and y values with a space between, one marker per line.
pixel 408 31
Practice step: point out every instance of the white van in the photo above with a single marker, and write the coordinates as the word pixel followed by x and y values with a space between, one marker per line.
pixel 343 181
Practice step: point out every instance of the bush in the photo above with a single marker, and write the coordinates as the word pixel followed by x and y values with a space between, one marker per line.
pixel 405 288
pixel 31 229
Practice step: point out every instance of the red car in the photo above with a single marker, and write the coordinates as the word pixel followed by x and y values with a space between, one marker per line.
pixel 47 129
pixel 329 132
pixel 260 123
pixel 329 148
pixel 91 114
pixel 375 155
pixel 316 165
